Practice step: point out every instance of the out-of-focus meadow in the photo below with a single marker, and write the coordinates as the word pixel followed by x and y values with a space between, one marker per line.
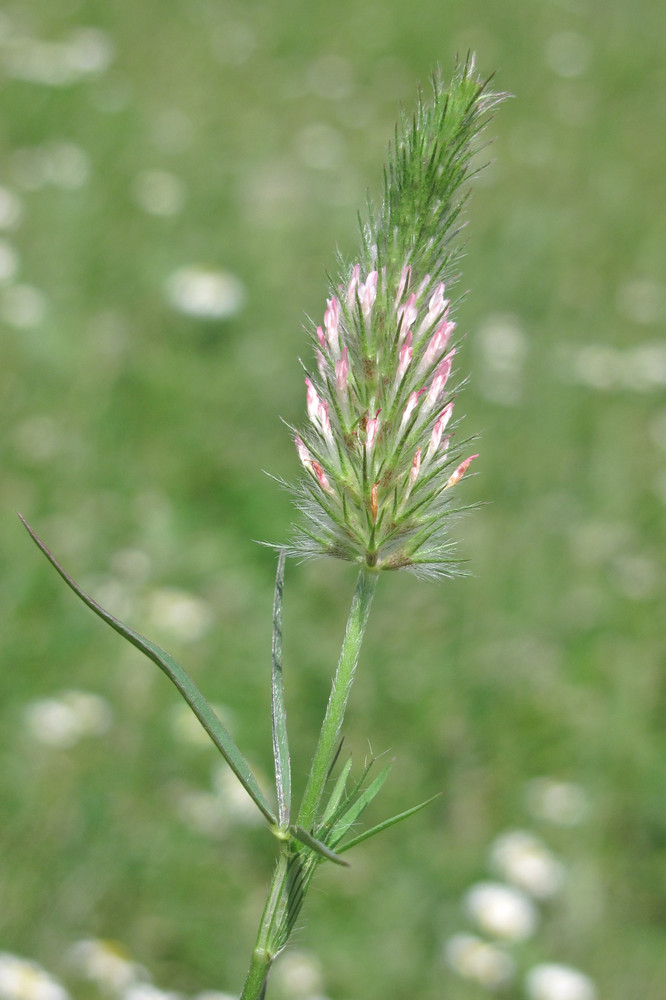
pixel 175 178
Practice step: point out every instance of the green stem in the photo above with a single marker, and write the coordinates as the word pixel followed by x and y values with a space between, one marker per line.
pixel 264 952
pixel 329 736
pixel 292 873
pixel 255 984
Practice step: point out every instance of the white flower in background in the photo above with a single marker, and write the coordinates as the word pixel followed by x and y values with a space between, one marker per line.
pixel 187 729
pixel 158 192
pixel 636 369
pixel 562 803
pixel 521 858
pixel 87 52
pixel 213 812
pixel 184 615
pixel 133 565
pixel 478 960
pixel 24 980
pixel 23 306
pixel 60 163
pixel 106 963
pixel 11 209
pixel 67 165
pixel 298 974
pixel 38 438
pixel 234 800
pixel 215 995
pixel 558 982
pixel 205 293
pixel 568 53
pixel 62 721
pixel 145 991
pixel 202 812
pixel 501 911
pixel 642 300
pixel 9 262
pixel 599 366
pixel 503 347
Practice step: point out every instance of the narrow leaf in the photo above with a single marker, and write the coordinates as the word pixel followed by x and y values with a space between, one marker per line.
pixel 298 833
pixel 355 810
pixel 337 793
pixel 335 759
pixel 280 741
pixel 324 828
pixel 386 824
pixel 180 678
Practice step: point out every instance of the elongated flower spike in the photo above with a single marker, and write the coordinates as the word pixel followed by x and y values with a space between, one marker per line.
pixel 379 494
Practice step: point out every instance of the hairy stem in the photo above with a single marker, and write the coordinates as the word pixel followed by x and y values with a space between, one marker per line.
pixel 265 950
pixel 295 867
pixel 329 736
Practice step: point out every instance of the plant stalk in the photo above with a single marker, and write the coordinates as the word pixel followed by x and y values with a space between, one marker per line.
pixel 290 878
pixel 264 954
pixel 329 737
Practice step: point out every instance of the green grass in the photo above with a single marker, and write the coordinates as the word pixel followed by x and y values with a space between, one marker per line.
pixel 129 426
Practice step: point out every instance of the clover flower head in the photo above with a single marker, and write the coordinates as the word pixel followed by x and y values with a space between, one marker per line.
pixel 378 466
pixel 379 469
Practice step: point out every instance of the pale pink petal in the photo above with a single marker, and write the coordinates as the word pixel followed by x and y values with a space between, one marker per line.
pixel 460 472
pixel 414 471
pixel 437 344
pixel 403 285
pixel 324 421
pixel 407 314
pixel 438 307
pixel 303 452
pixel 405 356
pixel 439 380
pixel 321 477
pixel 331 320
pixel 353 286
pixel 342 371
pixel 437 303
pixel 410 407
pixel 367 293
pixel 371 431
pixel 422 287
pixel 438 429
pixel 312 400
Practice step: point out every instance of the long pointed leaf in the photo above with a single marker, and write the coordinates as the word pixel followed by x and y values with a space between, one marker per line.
pixel 179 676
pixel 280 741
pixel 386 824
pixel 353 813
pixel 337 793
pixel 333 815
pixel 298 833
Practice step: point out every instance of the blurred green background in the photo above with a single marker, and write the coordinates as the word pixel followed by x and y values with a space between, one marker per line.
pixel 175 178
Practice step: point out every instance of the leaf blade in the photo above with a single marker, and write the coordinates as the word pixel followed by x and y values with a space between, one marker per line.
pixel 349 817
pixel 279 711
pixel 298 833
pixel 386 824
pixel 178 676
pixel 336 794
